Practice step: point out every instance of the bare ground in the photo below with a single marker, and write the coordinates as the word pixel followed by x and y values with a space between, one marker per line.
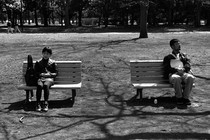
pixel 101 110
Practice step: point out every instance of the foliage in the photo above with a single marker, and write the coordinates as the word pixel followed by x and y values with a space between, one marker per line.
pixel 117 12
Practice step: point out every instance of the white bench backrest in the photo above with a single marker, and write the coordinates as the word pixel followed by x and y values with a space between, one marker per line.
pixel 69 72
pixel 147 71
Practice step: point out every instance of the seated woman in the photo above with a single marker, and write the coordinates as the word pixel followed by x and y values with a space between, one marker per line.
pixel 46 70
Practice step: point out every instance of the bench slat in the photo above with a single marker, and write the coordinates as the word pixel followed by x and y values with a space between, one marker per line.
pixel 146 73
pixel 73 78
pixel 56 86
pixel 61 65
pixel 152 64
pixel 69 75
pixel 71 69
pixel 149 81
pixel 59 62
pixel 152 85
pixel 146 68
pixel 66 73
pixel 67 82
pixel 157 77
pixel 147 61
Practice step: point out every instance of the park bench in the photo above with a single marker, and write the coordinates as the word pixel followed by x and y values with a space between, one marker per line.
pixel 69 77
pixel 148 74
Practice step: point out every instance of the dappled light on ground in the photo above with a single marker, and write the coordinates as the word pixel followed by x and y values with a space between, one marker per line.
pixel 102 109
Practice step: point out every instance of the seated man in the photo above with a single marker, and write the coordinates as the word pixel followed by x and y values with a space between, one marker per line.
pixel 177 70
pixel 46 70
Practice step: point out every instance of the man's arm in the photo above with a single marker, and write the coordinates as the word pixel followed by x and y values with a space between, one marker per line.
pixel 167 65
pixel 53 71
pixel 187 63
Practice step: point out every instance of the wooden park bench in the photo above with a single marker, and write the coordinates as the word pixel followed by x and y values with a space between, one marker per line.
pixel 148 74
pixel 69 77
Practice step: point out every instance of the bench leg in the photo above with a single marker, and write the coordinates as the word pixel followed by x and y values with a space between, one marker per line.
pixel 28 96
pixel 73 94
pixel 139 93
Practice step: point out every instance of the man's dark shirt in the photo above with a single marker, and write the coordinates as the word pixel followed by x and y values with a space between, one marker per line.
pixel 45 66
pixel 167 67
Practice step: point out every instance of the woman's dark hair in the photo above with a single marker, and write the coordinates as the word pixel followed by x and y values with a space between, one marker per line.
pixel 173 41
pixel 47 49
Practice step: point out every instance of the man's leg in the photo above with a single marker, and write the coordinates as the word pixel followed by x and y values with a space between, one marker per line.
pixel 46 88
pixel 176 81
pixel 39 95
pixel 188 80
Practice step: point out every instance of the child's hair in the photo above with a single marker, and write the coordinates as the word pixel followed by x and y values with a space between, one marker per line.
pixel 173 41
pixel 47 49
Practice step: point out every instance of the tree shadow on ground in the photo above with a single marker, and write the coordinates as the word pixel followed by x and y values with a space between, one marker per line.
pixel 167 102
pixel 30 106
pixel 102 122
pixel 157 136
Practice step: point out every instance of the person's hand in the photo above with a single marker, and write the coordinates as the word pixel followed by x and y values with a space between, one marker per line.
pixel 45 74
pixel 42 74
pixel 180 72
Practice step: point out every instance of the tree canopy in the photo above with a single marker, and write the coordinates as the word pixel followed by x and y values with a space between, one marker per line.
pixel 107 12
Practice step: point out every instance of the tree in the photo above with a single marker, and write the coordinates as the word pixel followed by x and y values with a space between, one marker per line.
pixel 144 4
pixel 67 19
pixel 2 11
pixel 206 4
pixel 78 6
pixel 60 10
pixel 206 11
pixel 198 4
pixel 95 10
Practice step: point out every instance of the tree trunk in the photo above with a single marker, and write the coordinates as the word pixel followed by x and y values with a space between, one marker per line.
pixel 35 17
pixel 198 5
pixel 67 19
pixel 106 21
pixel 106 13
pixel 29 18
pixel 99 21
pixel 132 19
pixel 21 14
pixel 45 14
pixel 208 19
pixel 143 20
pixel 53 19
pixel 80 16
pixel 45 20
pixel 170 12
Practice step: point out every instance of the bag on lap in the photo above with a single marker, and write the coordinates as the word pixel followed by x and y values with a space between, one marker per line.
pixel 30 76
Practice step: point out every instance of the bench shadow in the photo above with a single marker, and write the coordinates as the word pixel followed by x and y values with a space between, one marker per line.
pixel 166 102
pixel 31 106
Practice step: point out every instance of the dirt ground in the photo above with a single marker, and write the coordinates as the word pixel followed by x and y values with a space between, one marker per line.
pixel 101 110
